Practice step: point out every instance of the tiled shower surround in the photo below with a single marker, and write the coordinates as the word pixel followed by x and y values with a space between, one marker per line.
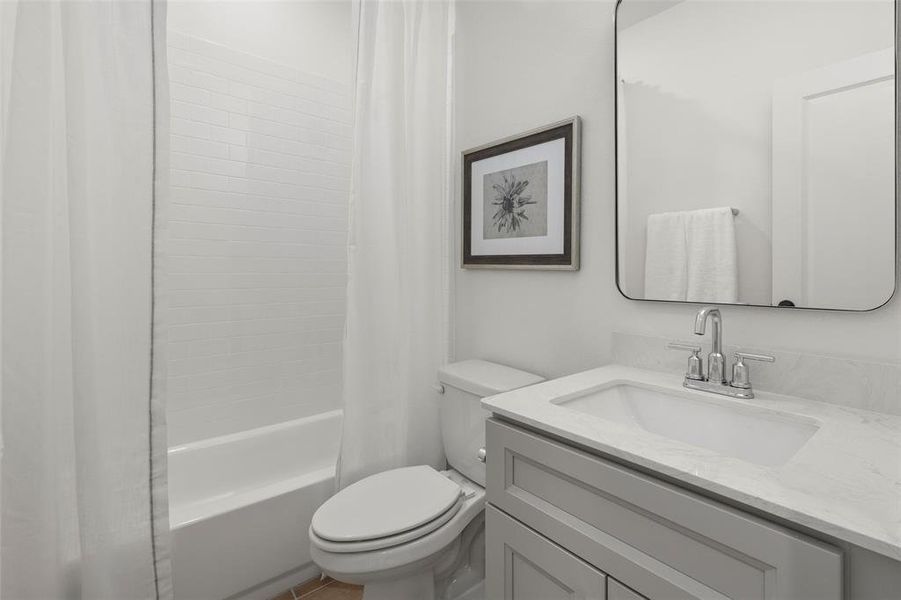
pixel 255 251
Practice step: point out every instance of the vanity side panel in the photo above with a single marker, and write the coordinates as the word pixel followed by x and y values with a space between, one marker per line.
pixel 872 576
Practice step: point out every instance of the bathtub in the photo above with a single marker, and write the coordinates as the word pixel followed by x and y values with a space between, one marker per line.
pixel 240 506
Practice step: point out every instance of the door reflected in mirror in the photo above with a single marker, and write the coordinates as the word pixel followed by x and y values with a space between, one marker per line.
pixel 756 149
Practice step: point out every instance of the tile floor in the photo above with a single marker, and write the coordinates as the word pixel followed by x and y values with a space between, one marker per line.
pixel 325 589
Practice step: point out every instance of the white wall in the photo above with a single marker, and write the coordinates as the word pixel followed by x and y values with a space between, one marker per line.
pixel 313 36
pixel 520 65
pixel 257 225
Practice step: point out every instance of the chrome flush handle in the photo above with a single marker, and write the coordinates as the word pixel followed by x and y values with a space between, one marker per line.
pixel 482 455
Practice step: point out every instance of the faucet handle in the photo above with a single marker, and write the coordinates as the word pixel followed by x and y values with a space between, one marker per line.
pixel 681 346
pixel 741 376
pixel 695 370
pixel 761 357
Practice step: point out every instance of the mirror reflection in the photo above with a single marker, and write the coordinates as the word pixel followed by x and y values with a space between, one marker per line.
pixel 756 152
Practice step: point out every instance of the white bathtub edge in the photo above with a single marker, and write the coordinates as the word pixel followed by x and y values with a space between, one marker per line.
pixel 185 516
pixel 257 431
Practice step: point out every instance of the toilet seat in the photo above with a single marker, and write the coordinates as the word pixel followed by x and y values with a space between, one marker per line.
pixel 363 567
pixel 391 540
pixel 385 509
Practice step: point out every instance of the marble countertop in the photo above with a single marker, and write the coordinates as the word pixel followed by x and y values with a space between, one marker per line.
pixel 844 482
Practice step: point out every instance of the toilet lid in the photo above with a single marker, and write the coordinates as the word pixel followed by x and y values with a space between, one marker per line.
pixel 386 504
pixel 391 540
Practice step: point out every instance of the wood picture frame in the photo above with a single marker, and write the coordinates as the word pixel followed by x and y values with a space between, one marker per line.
pixel 521 200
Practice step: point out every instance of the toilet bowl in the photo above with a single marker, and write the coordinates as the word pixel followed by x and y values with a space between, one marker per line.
pixel 415 533
pixel 394 566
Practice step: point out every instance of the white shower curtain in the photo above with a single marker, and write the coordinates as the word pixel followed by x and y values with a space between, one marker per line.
pixel 398 288
pixel 82 510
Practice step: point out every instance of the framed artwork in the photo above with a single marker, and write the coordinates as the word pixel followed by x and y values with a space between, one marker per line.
pixel 521 200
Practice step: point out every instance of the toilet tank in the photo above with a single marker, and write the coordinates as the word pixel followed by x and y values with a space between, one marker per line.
pixel 462 416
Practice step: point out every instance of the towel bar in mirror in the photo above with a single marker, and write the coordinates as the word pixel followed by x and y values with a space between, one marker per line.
pixel 756 152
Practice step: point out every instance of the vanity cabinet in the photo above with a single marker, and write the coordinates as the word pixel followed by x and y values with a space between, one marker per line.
pixel 617 591
pixel 551 505
pixel 528 566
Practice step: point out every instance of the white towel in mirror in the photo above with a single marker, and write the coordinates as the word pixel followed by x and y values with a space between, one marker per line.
pixel 692 256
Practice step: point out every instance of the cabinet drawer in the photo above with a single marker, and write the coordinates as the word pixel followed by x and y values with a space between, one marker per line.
pixel 661 540
pixel 523 565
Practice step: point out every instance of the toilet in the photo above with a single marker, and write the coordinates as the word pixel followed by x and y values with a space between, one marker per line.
pixel 415 533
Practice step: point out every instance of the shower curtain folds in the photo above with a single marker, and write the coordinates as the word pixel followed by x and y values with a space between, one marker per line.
pixel 83 445
pixel 397 329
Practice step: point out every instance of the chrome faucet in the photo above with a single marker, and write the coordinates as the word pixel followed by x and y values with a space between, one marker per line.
pixel 715 378
pixel 716 367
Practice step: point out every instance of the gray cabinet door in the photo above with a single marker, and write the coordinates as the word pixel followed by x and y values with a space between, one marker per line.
pixel 523 565
pixel 658 539
pixel 617 591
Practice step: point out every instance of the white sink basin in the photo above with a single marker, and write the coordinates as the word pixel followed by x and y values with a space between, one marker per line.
pixel 759 436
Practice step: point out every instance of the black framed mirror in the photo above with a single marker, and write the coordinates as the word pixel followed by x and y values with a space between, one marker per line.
pixel 756 150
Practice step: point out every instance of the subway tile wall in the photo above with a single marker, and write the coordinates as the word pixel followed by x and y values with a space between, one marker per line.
pixel 255 254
